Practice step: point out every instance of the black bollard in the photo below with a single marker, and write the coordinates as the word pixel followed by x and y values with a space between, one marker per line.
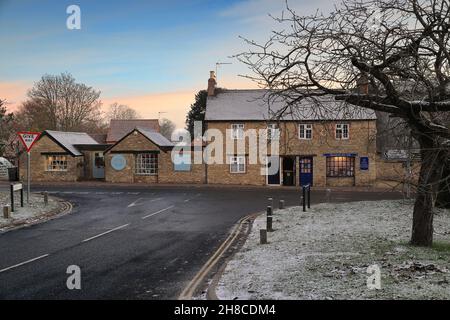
pixel 304 198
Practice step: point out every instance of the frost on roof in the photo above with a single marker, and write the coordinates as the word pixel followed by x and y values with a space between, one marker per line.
pixel 255 105
pixel 69 140
pixel 156 137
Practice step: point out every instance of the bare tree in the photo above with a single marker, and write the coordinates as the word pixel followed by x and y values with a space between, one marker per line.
pixel 399 49
pixel 167 127
pixel 6 127
pixel 121 112
pixel 60 103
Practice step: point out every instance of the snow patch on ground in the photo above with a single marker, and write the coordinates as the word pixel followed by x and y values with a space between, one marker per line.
pixel 27 214
pixel 324 254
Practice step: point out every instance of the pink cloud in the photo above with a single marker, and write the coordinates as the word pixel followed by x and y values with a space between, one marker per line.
pixel 14 93
pixel 175 105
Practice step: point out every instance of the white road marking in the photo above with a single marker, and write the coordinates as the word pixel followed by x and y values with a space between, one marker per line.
pixel 25 262
pixel 134 203
pixel 109 231
pixel 135 193
pixel 157 212
pixel 187 200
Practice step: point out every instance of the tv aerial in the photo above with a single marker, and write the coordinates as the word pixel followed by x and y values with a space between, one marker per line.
pixel 218 64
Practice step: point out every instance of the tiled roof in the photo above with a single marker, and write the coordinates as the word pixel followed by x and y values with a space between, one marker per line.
pixel 253 105
pixel 99 137
pixel 69 140
pixel 119 128
pixel 156 137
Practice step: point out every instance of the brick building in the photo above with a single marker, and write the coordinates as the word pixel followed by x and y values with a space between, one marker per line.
pixel 146 156
pixel 322 141
pixel 64 156
pixel 75 156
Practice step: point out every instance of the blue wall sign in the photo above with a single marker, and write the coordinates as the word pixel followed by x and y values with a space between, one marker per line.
pixel 118 162
pixel 340 154
pixel 364 163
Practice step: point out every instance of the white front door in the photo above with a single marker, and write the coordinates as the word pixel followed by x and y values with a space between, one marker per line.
pixel 98 165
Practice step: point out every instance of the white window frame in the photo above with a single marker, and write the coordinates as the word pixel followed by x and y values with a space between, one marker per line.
pixel 146 166
pixel 239 163
pixel 340 127
pixel 56 163
pixel 273 132
pixel 303 128
pixel 237 131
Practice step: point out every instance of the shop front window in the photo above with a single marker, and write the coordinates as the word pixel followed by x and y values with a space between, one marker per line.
pixel 340 166
pixel 146 164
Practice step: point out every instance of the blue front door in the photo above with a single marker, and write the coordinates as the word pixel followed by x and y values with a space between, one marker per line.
pixel 306 171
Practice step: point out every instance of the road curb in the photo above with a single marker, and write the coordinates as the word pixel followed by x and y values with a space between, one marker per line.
pixel 64 208
pixel 211 290
pixel 90 184
pixel 228 247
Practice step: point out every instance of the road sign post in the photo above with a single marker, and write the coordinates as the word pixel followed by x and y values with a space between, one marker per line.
pixel 28 177
pixel 28 139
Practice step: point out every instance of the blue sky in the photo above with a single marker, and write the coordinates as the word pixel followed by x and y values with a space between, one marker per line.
pixel 133 50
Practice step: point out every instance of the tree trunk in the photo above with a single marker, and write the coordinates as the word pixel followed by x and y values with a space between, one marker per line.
pixel 433 161
pixel 443 197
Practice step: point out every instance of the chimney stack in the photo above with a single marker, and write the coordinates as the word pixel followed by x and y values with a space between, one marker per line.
pixel 362 84
pixel 212 83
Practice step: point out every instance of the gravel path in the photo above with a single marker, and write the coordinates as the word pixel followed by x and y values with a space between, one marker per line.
pixel 325 253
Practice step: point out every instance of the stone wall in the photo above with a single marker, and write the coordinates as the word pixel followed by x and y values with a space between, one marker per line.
pixel 135 143
pixel 393 174
pixel 362 141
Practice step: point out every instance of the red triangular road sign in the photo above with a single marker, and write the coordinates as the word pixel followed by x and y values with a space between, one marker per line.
pixel 28 139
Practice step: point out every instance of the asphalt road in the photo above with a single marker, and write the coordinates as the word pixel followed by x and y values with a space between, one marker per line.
pixel 132 242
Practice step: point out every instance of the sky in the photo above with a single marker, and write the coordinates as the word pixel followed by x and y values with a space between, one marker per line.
pixel 150 55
